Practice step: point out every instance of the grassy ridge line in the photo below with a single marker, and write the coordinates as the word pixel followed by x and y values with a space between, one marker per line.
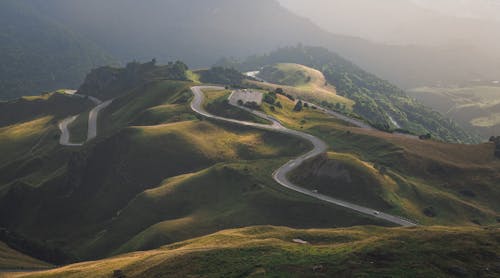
pixel 270 251
pixel 302 82
pixel 12 259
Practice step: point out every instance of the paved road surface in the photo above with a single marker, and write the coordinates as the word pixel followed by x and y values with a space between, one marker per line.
pixel 63 126
pixel 280 175
pixel 64 140
pixel 93 115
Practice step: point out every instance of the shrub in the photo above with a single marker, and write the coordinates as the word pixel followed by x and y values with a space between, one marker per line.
pixel 298 106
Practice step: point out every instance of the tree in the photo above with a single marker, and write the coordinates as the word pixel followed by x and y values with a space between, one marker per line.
pixel 279 91
pixel 306 105
pixel 298 106
pixel 427 136
pixel 269 98
pixel 278 104
pixel 240 102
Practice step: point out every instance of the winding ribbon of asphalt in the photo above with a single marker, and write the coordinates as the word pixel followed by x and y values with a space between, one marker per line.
pixel 280 175
pixel 64 140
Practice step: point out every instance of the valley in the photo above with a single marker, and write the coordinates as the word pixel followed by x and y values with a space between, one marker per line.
pixel 475 106
pixel 236 138
pixel 176 168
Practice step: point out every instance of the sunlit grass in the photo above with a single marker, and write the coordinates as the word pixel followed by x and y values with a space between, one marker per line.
pixel 315 89
pixel 363 251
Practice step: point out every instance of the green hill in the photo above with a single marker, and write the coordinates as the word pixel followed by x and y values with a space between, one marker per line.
pixel 159 174
pixel 432 182
pixel 12 259
pixel 302 82
pixel 57 104
pixel 382 104
pixel 149 137
pixel 39 54
pixel 267 251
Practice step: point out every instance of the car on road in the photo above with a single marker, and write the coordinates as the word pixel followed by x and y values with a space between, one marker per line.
pixel 376 212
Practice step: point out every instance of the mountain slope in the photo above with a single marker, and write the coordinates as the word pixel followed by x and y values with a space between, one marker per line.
pixel 38 54
pixel 199 32
pixel 154 166
pixel 475 106
pixel 384 105
pixel 12 259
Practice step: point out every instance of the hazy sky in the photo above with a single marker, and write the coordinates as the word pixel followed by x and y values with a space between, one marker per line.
pixel 427 22
pixel 485 9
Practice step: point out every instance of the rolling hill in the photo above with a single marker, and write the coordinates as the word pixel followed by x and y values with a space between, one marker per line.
pixel 160 174
pixel 424 180
pixel 382 104
pixel 302 82
pixel 271 251
pixel 13 260
pixel 105 197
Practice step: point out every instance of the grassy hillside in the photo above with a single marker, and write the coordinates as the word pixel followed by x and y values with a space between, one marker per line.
pixel 228 195
pixel 382 104
pixel 269 251
pixel 38 54
pixel 11 259
pixel 302 82
pixel 217 103
pixel 158 174
pixel 57 104
pixel 429 181
pixel 148 137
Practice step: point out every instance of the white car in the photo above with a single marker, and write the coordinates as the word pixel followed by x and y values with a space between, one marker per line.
pixel 376 212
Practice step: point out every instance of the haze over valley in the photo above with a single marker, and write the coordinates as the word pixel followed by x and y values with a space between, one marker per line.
pixel 233 138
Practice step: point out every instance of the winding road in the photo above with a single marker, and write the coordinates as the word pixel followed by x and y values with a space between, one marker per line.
pixel 280 175
pixel 64 140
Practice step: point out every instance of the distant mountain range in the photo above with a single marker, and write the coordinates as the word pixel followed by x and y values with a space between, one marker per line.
pixel 39 54
pixel 197 32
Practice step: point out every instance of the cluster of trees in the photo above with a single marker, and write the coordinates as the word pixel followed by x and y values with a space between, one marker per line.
pixel 374 97
pixel 222 75
pixel 108 82
pixel 250 104
pixel 280 91
pixel 496 141
pixel 272 99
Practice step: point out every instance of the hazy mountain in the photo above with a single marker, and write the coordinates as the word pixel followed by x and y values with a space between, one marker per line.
pixel 200 32
pixel 38 54
pixel 403 22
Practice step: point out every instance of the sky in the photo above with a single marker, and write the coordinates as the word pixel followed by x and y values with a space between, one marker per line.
pixel 479 9
pixel 426 22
